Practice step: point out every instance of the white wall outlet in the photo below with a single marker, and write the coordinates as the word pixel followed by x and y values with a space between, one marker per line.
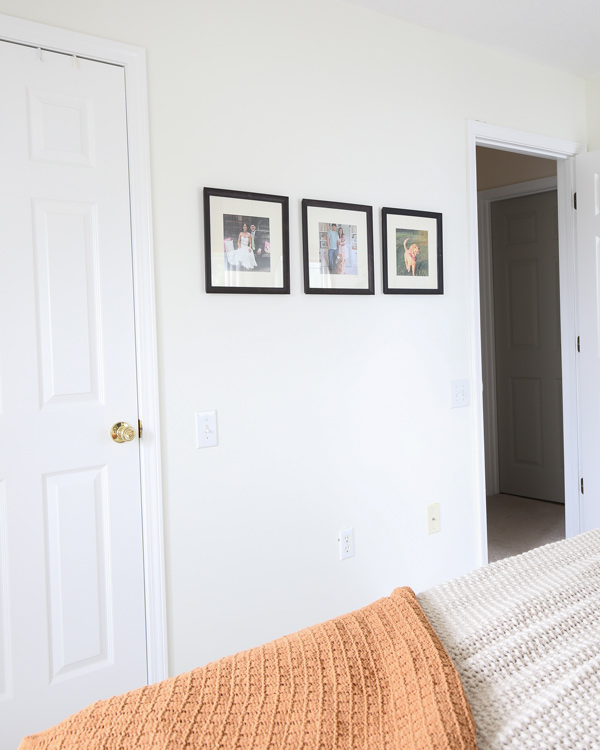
pixel 346 540
pixel 206 429
pixel 434 523
pixel 460 393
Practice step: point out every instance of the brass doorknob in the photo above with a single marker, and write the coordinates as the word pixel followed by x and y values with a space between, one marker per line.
pixel 121 432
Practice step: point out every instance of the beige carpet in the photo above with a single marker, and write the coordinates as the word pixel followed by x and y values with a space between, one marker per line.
pixel 518 524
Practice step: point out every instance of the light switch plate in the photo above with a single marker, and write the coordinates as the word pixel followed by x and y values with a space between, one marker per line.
pixel 434 523
pixel 206 429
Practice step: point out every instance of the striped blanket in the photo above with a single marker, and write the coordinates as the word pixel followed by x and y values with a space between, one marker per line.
pixel 524 636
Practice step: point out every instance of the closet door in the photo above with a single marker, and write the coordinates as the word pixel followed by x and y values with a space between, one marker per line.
pixel 72 624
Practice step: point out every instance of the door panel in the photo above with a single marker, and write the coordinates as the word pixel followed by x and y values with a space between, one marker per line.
pixel 60 127
pixel 526 410
pixel 71 565
pixel 76 513
pixel 527 341
pixel 66 235
pixel 523 305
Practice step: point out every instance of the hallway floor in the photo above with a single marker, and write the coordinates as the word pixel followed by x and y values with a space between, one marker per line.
pixel 517 524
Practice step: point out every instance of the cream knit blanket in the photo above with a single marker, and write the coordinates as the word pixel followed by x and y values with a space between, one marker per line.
pixel 524 635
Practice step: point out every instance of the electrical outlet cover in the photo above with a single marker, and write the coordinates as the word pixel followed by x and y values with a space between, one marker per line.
pixel 460 393
pixel 346 541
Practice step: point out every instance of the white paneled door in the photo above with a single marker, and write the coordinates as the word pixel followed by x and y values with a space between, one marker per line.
pixel 528 346
pixel 587 168
pixel 72 625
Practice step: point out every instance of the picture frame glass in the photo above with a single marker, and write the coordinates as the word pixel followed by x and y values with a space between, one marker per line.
pixel 347 266
pixel 246 243
pixel 412 252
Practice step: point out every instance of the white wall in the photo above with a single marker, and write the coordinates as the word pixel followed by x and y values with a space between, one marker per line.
pixel 333 411
pixel 592 88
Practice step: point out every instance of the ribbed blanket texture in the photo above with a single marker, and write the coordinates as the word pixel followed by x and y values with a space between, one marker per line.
pixel 524 634
pixel 376 678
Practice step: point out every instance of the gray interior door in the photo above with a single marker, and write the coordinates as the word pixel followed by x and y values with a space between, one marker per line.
pixel 527 339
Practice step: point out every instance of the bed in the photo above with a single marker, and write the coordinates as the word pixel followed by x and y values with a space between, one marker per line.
pixel 507 656
pixel 524 636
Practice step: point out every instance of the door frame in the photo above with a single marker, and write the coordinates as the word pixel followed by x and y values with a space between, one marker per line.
pixel 485 199
pixel 133 61
pixel 562 151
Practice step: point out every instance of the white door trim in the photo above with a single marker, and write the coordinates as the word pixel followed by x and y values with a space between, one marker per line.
pixel 485 198
pixel 507 139
pixel 133 61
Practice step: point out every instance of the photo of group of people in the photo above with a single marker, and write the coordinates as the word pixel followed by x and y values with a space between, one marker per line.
pixel 412 252
pixel 338 249
pixel 247 243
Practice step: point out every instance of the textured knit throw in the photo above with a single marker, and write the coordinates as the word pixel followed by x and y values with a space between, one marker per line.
pixel 376 678
pixel 524 634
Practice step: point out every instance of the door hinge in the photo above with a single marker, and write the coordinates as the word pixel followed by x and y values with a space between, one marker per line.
pixel 140 428
pixel 578 344
pixel 575 201
pixel 582 485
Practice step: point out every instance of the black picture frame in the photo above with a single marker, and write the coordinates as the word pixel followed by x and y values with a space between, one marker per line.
pixel 351 271
pixel 403 271
pixel 265 267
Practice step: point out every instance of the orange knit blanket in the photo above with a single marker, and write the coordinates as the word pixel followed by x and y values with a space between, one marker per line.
pixel 376 678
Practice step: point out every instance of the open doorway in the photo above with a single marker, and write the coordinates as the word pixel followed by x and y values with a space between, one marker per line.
pixel 521 351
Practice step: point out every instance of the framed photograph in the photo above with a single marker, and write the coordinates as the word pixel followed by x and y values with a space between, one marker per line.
pixel 338 248
pixel 412 252
pixel 246 242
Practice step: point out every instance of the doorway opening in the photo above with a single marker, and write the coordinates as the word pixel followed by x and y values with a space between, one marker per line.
pixel 520 324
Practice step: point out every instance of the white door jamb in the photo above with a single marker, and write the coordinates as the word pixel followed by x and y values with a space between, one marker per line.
pixel 133 61
pixel 506 139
